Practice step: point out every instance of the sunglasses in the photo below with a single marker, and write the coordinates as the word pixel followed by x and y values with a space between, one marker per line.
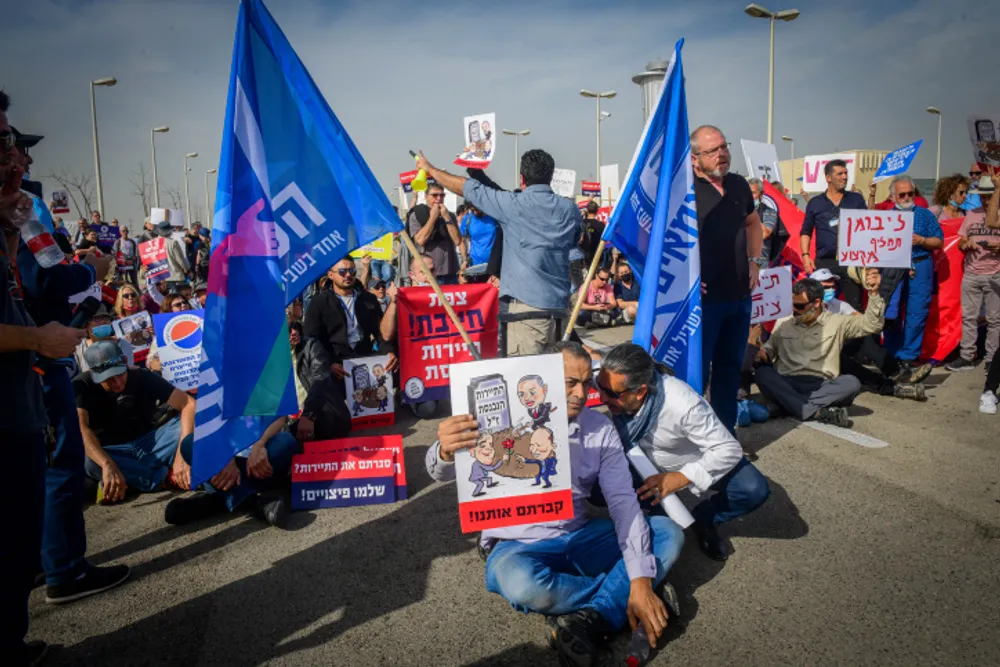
pixel 799 307
pixel 7 141
pixel 347 272
pixel 975 174
pixel 610 393
pixel 436 194
pixel 905 195
pixel 130 295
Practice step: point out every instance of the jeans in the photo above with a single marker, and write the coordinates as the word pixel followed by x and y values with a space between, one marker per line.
pixel 724 330
pixel 146 460
pixel 740 491
pixel 382 270
pixel 917 290
pixel 24 457
pixel 580 570
pixel 64 537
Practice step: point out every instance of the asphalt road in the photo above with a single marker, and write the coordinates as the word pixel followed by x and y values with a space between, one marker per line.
pixel 886 555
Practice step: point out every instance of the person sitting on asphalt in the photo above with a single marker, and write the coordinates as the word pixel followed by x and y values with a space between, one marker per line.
pixel 805 378
pixel 626 292
pixel 682 436
pixel 600 307
pixel 99 328
pixel 575 570
pixel 322 397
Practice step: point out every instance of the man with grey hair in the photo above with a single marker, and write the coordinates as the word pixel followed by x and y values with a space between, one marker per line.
pixel 768 218
pixel 730 239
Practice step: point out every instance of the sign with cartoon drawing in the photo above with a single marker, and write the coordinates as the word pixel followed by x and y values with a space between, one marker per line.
pixel 519 470
pixel 480 144
pixel 369 392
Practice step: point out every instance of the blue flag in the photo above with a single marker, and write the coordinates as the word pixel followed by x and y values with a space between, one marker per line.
pixel 897 162
pixel 294 197
pixel 656 218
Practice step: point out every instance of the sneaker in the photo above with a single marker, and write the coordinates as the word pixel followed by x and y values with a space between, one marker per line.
pixel 961 364
pixel 988 403
pixel 180 511
pixel 575 637
pixel 95 580
pixel 834 417
pixel 914 392
pixel 35 652
pixel 919 373
pixel 272 511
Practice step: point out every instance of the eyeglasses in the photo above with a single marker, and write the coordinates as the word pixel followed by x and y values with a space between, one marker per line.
pixel 904 195
pixel 715 151
pixel 347 272
pixel 603 280
pixel 975 174
pixel 7 140
pixel 436 194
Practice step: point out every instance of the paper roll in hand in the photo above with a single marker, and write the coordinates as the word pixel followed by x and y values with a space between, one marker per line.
pixel 672 505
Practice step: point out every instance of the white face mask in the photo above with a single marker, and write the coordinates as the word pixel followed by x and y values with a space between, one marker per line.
pixel 905 206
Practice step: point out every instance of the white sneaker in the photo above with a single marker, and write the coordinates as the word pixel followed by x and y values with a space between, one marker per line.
pixel 988 403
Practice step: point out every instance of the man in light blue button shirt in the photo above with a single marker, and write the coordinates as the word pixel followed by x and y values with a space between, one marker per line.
pixel 540 228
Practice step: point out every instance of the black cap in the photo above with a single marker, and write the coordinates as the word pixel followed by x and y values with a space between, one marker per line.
pixel 25 140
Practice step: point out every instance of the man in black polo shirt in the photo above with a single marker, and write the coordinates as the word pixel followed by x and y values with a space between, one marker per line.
pixel 822 215
pixel 730 235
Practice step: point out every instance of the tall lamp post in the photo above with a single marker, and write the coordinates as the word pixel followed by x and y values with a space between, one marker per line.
pixel 187 192
pixel 517 155
pixel 937 169
pixel 791 187
pixel 758 12
pixel 156 183
pixel 209 213
pixel 598 96
pixel 106 81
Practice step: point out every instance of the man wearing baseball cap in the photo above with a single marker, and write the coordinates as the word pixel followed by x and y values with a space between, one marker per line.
pixel 833 304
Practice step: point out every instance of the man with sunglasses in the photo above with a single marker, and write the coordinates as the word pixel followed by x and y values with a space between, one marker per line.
pixel 599 305
pixel 972 200
pixel 435 229
pixel 590 576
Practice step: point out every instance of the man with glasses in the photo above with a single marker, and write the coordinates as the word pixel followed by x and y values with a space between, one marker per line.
pixel 435 229
pixel 731 237
pixel 804 350
pixel 972 200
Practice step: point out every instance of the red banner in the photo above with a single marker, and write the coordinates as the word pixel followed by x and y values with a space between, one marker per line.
pixel 429 343
pixel 943 332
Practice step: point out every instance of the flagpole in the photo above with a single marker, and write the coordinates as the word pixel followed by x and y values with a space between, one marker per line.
pixel 437 290
pixel 583 292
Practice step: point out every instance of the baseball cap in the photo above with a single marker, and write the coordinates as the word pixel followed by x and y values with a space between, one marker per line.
pixel 22 140
pixel 376 284
pixel 823 275
pixel 106 360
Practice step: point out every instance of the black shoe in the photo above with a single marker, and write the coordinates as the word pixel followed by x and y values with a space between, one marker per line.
pixel 273 511
pixel 96 580
pixel 961 364
pixel 711 542
pixel 35 652
pixel 575 637
pixel 774 410
pixel 180 511
pixel 834 417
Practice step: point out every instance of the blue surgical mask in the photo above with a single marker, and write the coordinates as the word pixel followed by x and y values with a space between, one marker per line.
pixel 102 331
pixel 828 294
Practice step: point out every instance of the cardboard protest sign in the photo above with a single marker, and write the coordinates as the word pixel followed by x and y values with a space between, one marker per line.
pixel 343 478
pixel 380 248
pixel 813 178
pixel 984 133
pixel 393 443
pixel 897 162
pixel 60 201
pixel 609 182
pixel 106 234
pixel 480 144
pixel 564 182
pixel 881 239
pixel 370 397
pixel 135 329
pixel 519 470
pixel 772 299
pixel 172 215
pixel 762 160
pixel 178 343
pixel 429 343
pixel 590 188
pixel 153 255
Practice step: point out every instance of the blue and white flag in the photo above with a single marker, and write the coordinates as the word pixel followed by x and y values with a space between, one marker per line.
pixel 656 218
pixel 294 197
pixel 897 162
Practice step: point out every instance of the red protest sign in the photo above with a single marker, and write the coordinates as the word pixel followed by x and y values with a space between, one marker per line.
pixel 393 443
pixel 479 515
pixel 429 343
pixel 590 188
pixel 871 238
pixel 153 255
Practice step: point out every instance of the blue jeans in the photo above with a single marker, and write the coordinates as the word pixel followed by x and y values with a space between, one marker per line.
pixel 382 270
pixel 146 460
pixel 740 491
pixel 580 570
pixel 907 341
pixel 64 537
pixel 24 457
pixel 725 327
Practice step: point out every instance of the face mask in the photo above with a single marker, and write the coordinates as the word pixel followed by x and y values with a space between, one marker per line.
pixel 626 277
pixel 905 206
pixel 828 294
pixel 953 204
pixel 808 316
pixel 102 331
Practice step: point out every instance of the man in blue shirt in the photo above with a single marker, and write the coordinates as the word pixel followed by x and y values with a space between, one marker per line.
pixel 539 228
pixel 481 231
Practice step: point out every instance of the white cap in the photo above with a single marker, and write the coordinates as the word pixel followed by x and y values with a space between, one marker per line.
pixel 823 275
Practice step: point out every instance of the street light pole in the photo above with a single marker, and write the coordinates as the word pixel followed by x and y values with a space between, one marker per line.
pixel 756 11
pixel 187 192
pixel 209 213
pixel 517 155
pixel 937 169
pixel 606 95
pixel 792 185
pixel 106 81
pixel 156 183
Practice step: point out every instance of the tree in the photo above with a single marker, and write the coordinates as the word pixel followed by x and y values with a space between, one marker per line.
pixel 175 197
pixel 141 187
pixel 80 188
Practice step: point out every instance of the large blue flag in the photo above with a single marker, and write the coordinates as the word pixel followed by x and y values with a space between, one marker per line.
pixel 655 225
pixel 294 196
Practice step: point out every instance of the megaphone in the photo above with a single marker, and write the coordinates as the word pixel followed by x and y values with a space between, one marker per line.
pixel 419 184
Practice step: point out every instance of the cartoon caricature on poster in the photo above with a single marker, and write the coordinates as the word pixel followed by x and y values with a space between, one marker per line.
pixel 137 330
pixel 480 142
pixel 370 397
pixel 518 472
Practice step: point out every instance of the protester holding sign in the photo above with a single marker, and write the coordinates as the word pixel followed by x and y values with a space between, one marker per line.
pixel 822 217
pixel 126 255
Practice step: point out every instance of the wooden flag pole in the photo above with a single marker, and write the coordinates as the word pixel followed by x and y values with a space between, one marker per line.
pixel 583 292
pixel 473 350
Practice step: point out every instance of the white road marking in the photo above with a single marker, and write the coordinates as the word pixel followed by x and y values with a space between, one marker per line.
pixel 859 439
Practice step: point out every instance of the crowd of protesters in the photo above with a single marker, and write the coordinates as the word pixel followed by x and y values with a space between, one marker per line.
pixel 87 418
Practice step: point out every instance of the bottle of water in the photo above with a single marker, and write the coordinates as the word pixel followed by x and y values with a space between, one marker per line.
pixel 638 650
pixel 39 240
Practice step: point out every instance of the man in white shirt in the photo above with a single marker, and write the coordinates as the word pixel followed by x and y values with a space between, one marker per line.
pixel 833 304
pixel 680 433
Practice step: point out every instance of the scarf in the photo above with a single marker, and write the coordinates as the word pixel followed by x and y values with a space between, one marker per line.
pixel 633 428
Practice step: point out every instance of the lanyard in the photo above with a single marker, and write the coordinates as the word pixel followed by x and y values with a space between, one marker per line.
pixel 352 321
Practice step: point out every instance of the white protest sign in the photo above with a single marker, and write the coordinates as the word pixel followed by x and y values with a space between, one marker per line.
pixel 60 201
pixel 172 215
pixel 772 299
pixel 480 144
pixel 813 178
pixel 94 291
pixel 609 183
pixel 984 133
pixel 882 239
pixel 762 160
pixel 450 201
pixel 564 182
pixel 178 342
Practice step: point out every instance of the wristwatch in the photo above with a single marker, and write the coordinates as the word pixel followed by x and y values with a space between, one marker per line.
pixel 759 261
pixel 311 416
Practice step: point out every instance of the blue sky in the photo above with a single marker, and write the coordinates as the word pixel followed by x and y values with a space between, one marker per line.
pixel 848 75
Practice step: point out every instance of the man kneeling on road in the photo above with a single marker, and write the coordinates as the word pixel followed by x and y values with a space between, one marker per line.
pixel 577 571
pixel 805 349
